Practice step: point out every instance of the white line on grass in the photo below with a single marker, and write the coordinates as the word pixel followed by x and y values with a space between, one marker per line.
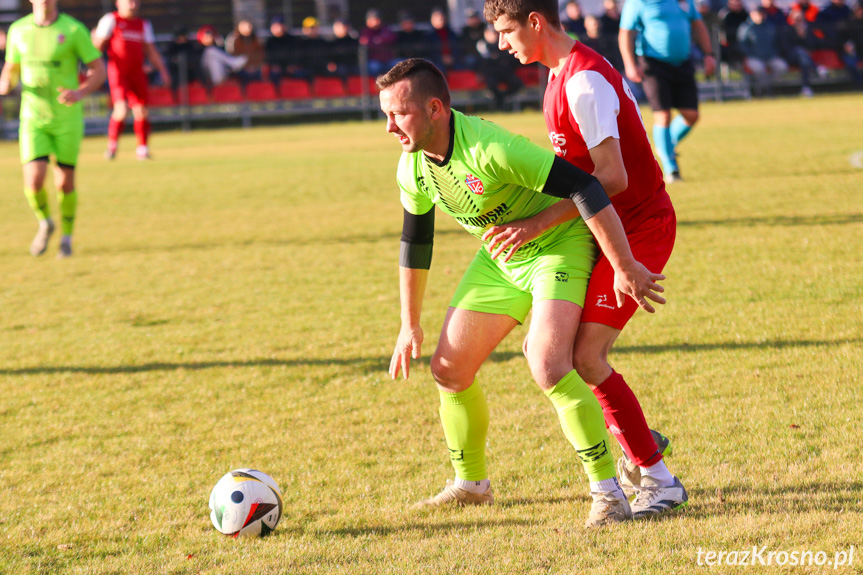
pixel 856 159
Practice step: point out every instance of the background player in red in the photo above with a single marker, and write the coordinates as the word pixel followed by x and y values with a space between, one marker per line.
pixel 594 123
pixel 128 40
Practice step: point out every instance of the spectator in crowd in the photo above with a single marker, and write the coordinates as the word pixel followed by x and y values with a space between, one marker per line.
pixel 800 41
pixel 449 42
pixel 851 36
pixel 380 41
pixel 759 43
pixel 216 64
pixel 831 22
pixel 731 18
pixel 609 48
pixel 184 57
pixel 835 11
pixel 471 34
pixel 773 14
pixel 595 39
pixel 2 44
pixel 573 19
pixel 342 51
pixel 280 51
pixel 809 10
pixel 413 43
pixel 313 50
pixel 244 41
pixel 610 19
pixel 497 68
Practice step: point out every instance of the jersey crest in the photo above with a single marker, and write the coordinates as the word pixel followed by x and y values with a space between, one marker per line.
pixel 474 184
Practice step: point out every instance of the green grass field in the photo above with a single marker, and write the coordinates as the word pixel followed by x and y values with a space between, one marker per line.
pixel 234 304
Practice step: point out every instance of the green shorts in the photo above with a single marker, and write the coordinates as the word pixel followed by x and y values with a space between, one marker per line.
pixel 63 142
pixel 561 271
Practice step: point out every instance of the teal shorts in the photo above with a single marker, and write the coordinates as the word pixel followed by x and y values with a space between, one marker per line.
pixel 63 142
pixel 560 271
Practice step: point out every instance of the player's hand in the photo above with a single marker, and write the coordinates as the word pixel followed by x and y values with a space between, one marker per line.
pixel 639 283
pixel 634 73
pixel 512 236
pixel 709 65
pixel 408 346
pixel 68 97
pixel 5 86
pixel 166 78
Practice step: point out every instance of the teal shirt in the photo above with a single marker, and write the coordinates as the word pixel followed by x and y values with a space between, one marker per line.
pixel 664 28
pixel 491 177
pixel 49 57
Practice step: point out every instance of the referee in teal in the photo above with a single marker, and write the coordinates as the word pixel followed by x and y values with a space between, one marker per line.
pixel 655 42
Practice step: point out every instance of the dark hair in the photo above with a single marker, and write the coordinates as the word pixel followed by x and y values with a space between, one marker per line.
pixel 426 80
pixel 519 10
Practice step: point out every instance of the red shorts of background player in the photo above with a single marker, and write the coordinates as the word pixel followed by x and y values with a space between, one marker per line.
pixel 128 87
pixel 651 244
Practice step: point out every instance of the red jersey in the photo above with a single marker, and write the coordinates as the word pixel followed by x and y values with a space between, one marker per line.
pixel 587 102
pixel 126 40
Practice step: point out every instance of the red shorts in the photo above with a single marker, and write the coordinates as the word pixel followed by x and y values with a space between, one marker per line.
pixel 651 244
pixel 128 87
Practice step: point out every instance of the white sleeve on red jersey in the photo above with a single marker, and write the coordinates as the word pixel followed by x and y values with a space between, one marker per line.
pixel 105 27
pixel 149 36
pixel 594 104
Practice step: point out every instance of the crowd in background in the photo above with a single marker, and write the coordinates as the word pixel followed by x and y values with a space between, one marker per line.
pixel 763 41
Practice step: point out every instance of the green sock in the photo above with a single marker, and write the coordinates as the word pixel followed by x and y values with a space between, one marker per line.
pixel 465 424
pixel 68 208
pixel 584 425
pixel 38 201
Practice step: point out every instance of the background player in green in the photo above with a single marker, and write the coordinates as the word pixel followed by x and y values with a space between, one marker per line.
pixel 482 175
pixel 44 48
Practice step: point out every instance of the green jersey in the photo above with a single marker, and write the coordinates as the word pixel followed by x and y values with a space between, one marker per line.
pixel 49 56
pixel 489 177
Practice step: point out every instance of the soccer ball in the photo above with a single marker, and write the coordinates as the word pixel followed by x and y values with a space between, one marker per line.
pixel 245 502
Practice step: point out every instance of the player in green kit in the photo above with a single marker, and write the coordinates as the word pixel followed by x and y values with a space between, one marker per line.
pixel 482 175
pixel 44 50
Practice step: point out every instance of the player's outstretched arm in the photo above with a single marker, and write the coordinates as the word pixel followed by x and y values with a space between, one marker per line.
pixel 513 235
pixel 626 42
pixel 9 77
pixel 412 283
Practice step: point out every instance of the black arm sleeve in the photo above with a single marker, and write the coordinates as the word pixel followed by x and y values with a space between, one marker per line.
pixel 567 181
pixel 417 240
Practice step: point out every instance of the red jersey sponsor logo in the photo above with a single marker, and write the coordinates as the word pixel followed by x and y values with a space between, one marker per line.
pixel 474 184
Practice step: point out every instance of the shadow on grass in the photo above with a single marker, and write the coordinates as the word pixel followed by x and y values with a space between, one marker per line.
pixel 814 220
pixel 381 364
pixel 805 497
pixel 311 240
pixel 448 526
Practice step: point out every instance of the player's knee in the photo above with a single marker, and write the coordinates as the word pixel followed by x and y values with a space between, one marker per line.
pixel 590 365
pixel 546 369
pixel 446 374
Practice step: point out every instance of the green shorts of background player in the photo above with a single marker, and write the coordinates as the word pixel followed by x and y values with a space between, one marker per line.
pixel 37 146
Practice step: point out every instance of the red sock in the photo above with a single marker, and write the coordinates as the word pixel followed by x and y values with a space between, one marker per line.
pixel 115 129
pixel 142 130
pixel 626 421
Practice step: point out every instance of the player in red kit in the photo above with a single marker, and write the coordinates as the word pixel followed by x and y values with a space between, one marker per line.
pixel 128 40
pixel 594 123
